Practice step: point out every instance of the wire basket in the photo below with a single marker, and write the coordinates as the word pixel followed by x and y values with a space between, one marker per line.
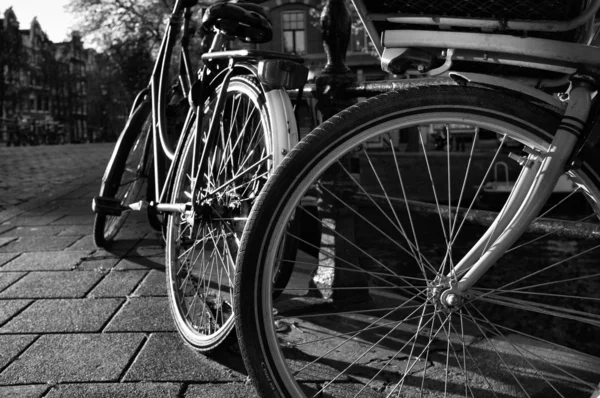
pixel 558 10
pixel 532 10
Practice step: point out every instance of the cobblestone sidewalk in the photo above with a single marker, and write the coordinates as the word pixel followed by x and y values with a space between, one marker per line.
pixel 34 172
pixel 76 321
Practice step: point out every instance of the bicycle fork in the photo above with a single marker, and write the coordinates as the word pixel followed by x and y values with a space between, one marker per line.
pixel 541 171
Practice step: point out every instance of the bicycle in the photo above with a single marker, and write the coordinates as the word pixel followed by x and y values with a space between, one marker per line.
pixel 237 124
pixel 420 287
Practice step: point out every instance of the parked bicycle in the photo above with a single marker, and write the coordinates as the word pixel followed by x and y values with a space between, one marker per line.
pixel 416 287
pixel 203 178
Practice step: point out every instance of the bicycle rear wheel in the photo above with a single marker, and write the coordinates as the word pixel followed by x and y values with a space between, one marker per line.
pixel 202 243
pixel 126 173
pixel 367 316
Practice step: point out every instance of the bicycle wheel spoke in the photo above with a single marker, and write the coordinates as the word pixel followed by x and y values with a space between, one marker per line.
pixel 392 240
pixel 542 270
pixel 408 212
pixel 437 202
pixel 533 293
pixel 537 371
pixel 425 349
pixel 545 235
pixel 345 342
pixel 480 186
pixel 496 329
pixel 379 230
pixel 397 223
pixel 354 266
pixel 539 308
pixel 219 178
pixel 368 219
pixel 491 344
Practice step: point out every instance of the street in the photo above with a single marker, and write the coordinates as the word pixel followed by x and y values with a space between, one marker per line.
pixel 77 321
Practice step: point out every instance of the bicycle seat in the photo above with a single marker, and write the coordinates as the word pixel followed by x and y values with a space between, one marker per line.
pixel 245 21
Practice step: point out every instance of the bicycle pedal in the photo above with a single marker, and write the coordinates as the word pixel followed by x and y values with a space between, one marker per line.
pixel 108 206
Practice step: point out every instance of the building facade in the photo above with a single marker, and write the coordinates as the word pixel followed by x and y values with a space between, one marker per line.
pixel 43 91
pixel 73 95
pixel 296 29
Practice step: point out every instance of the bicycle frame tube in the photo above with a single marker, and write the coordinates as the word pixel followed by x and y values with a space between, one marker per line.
pixel 522 213
pixel 203 145
pixel 158 89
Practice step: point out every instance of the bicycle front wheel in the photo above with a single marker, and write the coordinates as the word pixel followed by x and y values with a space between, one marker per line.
pixel 367 315
pixel 220 190
pixel 126 173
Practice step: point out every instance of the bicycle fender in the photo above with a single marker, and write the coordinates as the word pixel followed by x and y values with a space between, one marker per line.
pixel 129 132
pixel 197 93
pixel 284 129
pixel 507 84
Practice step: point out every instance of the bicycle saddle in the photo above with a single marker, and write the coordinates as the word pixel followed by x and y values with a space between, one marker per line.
pixel 246 21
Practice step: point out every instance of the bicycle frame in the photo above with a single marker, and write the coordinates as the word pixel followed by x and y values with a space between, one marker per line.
pixel 541 169
pixel 257 63
pixel 163 150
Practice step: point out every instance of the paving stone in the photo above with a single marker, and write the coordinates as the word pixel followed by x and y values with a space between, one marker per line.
pixel 230 390
pixel 12 346
pixel 64 316
pixel 46 172
pixel 8 308
pixel 85 219
pixel 35 220
pixel 63 211
pixel 6 257
pixel 53 284
pixel 86 191
pixel 46 261
pixel 6 241
pixel 41 230
pixel 38 243
pixel 121 247
pixel 8 278
pixel 153 285
pixel 75 230
pixel 84 243
pixel 143 314
pixel 73 201
pixel 30 391
pixel 5 228
pixel 165 357
pixel 148 248
pixel 55 358
pixel 118 284
pixel 116 390
pixel 100 263
pixel 133 232
pixel 43 210
pixel 138 263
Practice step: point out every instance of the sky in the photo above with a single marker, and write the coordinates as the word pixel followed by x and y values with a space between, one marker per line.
pixel 53 19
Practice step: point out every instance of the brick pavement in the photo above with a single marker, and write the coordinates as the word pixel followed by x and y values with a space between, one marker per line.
pixel 77 321
pixel 38 172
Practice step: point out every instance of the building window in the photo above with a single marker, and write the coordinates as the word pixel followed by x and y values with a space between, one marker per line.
pixel 294 32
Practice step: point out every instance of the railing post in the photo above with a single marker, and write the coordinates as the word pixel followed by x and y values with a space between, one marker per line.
pixel 338 252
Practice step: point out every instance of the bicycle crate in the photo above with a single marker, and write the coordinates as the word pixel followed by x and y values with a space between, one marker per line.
pixel 535 10
pixel 471 11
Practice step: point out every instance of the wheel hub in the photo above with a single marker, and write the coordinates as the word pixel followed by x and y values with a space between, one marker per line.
pixel 442 293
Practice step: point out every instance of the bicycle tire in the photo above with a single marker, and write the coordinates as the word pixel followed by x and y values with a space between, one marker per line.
pixel 511 336
pixel 203 315
pixel 126 173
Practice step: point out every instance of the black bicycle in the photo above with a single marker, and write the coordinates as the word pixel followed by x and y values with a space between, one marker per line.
pixel 203 147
